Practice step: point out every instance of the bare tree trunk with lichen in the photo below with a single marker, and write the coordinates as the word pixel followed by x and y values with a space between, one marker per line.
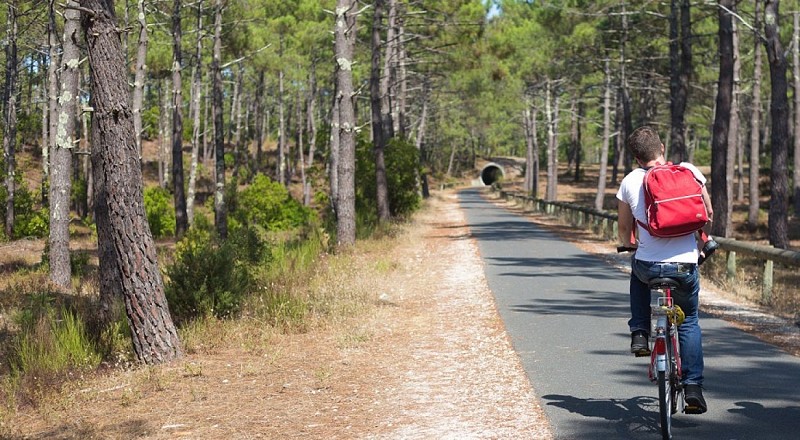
pixel 61 156
pixel 344 47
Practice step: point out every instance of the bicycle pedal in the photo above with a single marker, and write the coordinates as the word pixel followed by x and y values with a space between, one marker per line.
pixel 642 353
pixel 693 410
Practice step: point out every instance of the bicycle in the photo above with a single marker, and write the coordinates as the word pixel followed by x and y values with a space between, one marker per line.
pixel 665 360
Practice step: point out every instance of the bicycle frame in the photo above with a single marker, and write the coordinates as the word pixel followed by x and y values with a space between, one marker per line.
pixel 665 359
pixel 664 327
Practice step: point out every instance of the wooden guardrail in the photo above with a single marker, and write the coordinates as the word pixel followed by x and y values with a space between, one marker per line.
pixel 604 224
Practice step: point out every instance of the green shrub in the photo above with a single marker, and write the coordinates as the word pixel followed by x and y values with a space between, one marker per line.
pixel 268 205
pixel 159 210
pixel 50 342
pixel 29 219
pixel 208 277
pixel 402 165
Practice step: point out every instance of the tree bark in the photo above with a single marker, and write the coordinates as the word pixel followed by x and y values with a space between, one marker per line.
pixel 10 115
pixel 333 165
pixel 312 129
pixel 527 125
pixel 220 210
pixel 755 125
pixel 680 68
pixel 61 156
pixel 720 196
pixel 733 128
pixel 552 109
pixel 197 78
pixel 402 78
pixel 178 192
pixel 378 137
pixel 344 47
pixel 779 111
pixel 119 190
pixel 259 120
pixel 627 124
pixel 236 119
pixel 796 76
pixel 281 168
pixel 140 77
pixel 420 140
pixel 601 181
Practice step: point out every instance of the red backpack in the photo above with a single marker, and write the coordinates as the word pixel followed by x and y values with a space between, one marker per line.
pixel 673 200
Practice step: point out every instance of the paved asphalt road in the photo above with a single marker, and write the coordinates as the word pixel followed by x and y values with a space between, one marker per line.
pixel 566 313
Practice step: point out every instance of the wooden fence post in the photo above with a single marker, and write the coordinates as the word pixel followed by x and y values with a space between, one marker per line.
pixel 731 266
pixel 766 288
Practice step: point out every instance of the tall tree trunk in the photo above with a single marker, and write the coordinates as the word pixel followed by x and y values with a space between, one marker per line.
pixel 627 124
pixel 527 125
pixel 573 132
pixel 796 76
pixel 601 181
pixel 300 146
pixel 281 171
pixel 312 128
pixel 536 171
pixel 140 76
pixel 220 210
pixel 619 141
pixel 420 139
pixel 779 111
pixel 119 190
pixel 386 79
pixel 680 68
pixel 344 47
pixel 402 78
pixel 378 138
pixel 393 61
pixel 45 142
pixel 164 133
pixel 236 122
pixel 61 156
pixel 579 138
pixel 333 157
pixel 52 85
pixel 178 192
pixel 259 120
pixel 733 128
pixel 10 116
pixel 720 197
pixel 755 125
pixel 197 78
pixel 552 108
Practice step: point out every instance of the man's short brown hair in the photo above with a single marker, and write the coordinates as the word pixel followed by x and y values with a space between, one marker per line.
pixel 644 144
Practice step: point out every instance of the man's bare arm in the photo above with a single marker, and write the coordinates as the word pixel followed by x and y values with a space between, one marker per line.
pixel 625 224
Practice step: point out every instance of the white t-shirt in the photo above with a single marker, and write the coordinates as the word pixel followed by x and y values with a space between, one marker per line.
pixel 674 250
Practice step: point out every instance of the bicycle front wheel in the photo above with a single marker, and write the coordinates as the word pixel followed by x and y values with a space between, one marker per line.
pixel 666 397
pixel 665 403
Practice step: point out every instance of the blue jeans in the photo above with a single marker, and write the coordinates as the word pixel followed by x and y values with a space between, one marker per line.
pixel 686 296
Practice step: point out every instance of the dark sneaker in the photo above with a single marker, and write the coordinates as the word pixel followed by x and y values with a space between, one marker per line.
pixel 639 343
pixel 693 396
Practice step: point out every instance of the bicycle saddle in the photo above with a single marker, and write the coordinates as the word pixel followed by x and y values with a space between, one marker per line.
pixel 663 282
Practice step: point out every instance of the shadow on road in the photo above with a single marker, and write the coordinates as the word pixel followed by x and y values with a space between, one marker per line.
pixel 632 417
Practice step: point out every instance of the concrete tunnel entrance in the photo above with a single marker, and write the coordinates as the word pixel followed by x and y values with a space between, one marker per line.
pixel 491 173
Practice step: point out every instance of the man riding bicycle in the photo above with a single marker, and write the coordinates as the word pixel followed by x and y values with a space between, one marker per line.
pixel 656 257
